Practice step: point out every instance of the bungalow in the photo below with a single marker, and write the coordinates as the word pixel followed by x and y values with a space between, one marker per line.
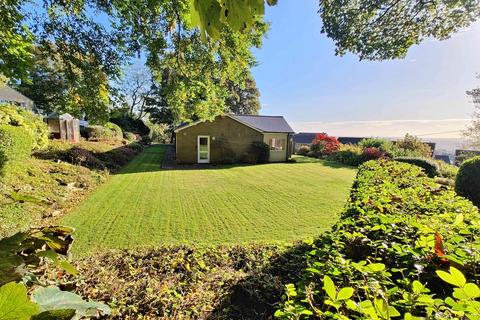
pixel 229 138
pixel 9 95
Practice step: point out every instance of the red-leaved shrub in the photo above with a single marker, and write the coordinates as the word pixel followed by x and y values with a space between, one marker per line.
pixel 324 145
pixel 372 153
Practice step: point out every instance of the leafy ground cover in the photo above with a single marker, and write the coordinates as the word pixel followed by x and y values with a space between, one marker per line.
pixel 146 206
pixel 404 247
pixel 42 188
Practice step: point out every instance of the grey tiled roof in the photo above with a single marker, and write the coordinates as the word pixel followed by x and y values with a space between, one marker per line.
pixel 12 95
pixel 304 137
pixel 265 123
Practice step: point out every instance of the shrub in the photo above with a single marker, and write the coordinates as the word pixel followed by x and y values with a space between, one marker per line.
pixel 129 124
pixel 32 123
pixel 98 133
pixel 446 170
pixel 383 145
pixel 129 136
pixel 15 144
pixel 372 153
pixel 348 154
pixel 260 152
pixel 311 154
pixel 303 150
pixel 135 146
pixel 397 234
pixel 117 132
pixel 160 132
pixel 428 165
pixel 467 183
pixel 411 146
pixel 146 140
pixel 324 145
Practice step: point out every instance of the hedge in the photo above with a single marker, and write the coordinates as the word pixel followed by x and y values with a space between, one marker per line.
pixel 117 132
pixel 15 144
pixel 404 247
pixel 429 165
pixel 32 123
pixel 467 183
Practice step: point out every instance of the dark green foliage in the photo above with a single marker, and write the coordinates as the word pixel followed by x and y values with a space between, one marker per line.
pixel 130 136
pixel 15 144
pixel 117 132
pixel 303 150
pixel 397 230
pixel 129 124
pixel 381 144
pixel 348 154
pixel 98 133
pixel 467 183
pixel 430 167
pixel 379 30
pixel 260 152
pixel 146 140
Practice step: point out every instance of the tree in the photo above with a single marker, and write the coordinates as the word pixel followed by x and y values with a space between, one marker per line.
pixel 372 29
pixel 243 100
pixel 133 91
pixel 61 87
pixel 472 132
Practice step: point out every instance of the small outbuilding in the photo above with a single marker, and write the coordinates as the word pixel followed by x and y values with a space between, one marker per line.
pixel 228 138
pixel 64 126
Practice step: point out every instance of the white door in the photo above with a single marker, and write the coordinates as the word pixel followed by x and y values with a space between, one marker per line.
pixel 203 149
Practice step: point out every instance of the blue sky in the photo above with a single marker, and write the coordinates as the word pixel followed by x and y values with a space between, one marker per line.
pixel 300 77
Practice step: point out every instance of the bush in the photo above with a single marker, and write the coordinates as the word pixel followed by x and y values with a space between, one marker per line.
pixel 446 170
pixel 160 132
pixel 324 145
pixel 303 150
pixel 372 153
pixel 383 145
pixel 411 146
pixel 130 124
pixel 146 140
pixel 467 183
pixel 311 154
pixel 398 235
pixel 32 123
pixel 15 144
pixel 428 165
pixel 260 152
pixel 129 136
pixel 117 132
pixel 348 154
pixel 98 133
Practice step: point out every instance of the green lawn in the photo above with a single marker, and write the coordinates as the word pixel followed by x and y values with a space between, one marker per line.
pixel 146 206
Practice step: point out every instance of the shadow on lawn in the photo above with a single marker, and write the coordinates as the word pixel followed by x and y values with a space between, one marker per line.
pixel 259 294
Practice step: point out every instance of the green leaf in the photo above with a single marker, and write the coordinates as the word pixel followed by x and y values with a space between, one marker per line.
pixel 11 269
pixel 345 293
pixel 472 290
pixel 329 287
pixel 375 267
pixel 58 261
pixel 52 298
pixel 205 14
pixel 55 315
pixel 458 219
pixel 455 277
pixel 14 302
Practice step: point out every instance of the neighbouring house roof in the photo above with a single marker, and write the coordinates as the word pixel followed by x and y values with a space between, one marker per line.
pixel 443 157
pixel 8 94
pixel 265 124
pixel 304 137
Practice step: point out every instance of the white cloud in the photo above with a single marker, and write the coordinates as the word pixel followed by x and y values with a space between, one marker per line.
pixel 446 128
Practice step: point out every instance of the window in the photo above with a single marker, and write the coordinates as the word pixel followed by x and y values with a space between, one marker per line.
pixel 276 144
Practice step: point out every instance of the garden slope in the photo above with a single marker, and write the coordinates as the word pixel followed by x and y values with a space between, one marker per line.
pixel 146 206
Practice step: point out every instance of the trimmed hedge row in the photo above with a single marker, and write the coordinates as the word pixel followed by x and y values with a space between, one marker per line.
pixel 429 165
pixel 403 245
